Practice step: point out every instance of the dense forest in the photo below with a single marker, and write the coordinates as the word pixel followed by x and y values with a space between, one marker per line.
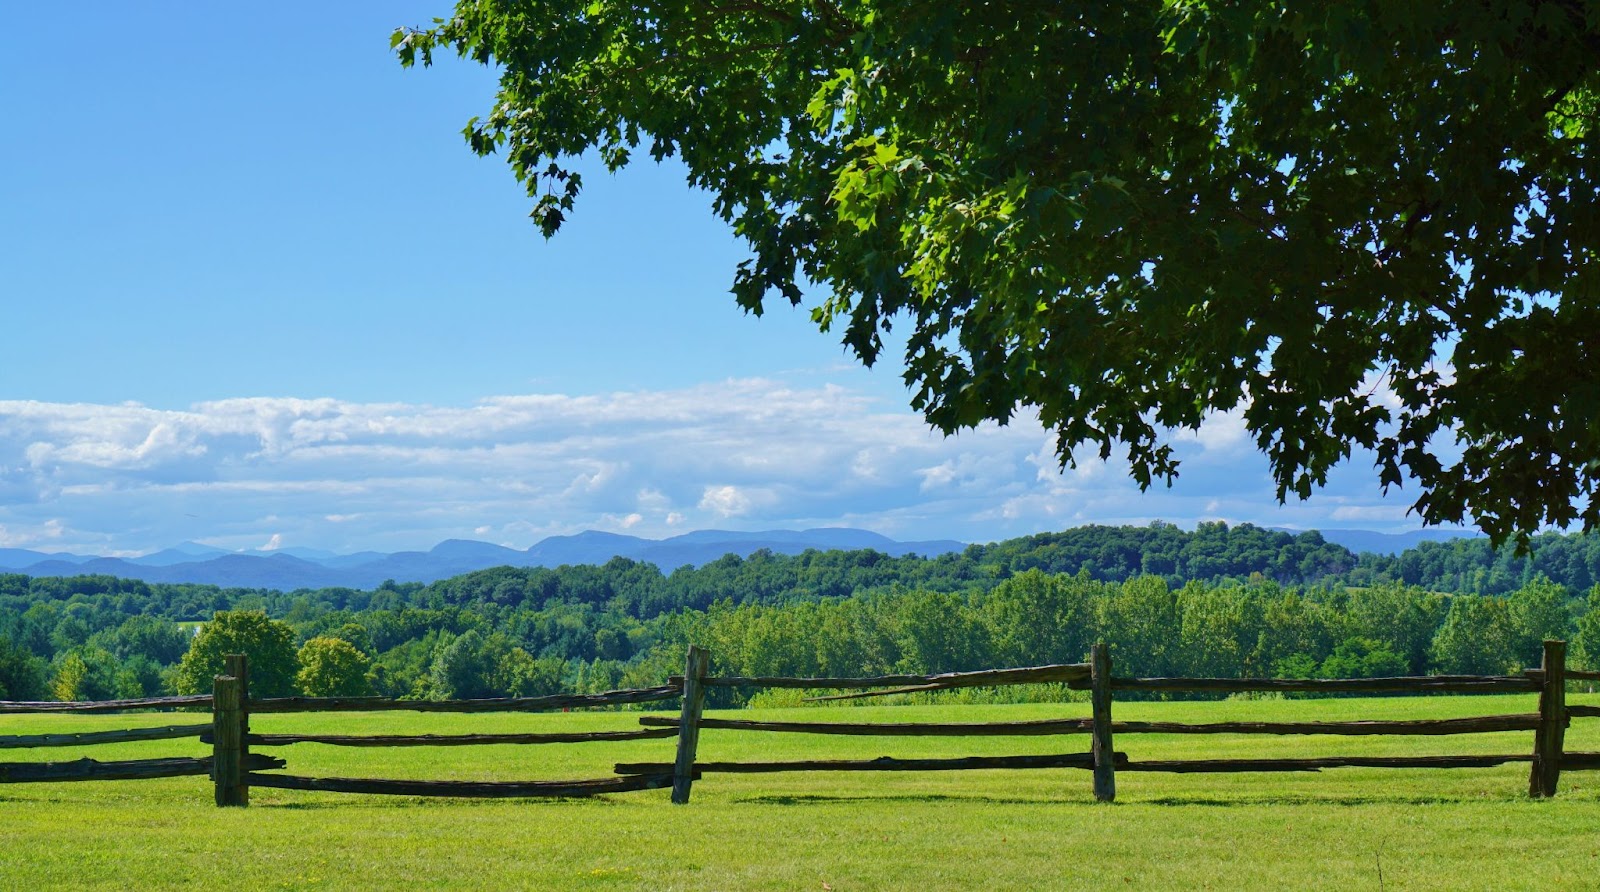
pixel 1215 601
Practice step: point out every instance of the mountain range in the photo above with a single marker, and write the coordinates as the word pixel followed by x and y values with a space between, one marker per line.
pixel 286 569
pixel 1359 541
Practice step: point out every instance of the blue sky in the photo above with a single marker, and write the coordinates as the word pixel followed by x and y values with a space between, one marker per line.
pixel 256 292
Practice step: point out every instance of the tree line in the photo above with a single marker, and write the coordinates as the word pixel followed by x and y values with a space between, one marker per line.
pixel 1216 601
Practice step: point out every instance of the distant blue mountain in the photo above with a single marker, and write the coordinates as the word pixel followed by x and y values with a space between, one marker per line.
pixel 16 558
pixel 288 569
pixel 182 553
pixel 1360 541
pixel 587 547
pixel 704 546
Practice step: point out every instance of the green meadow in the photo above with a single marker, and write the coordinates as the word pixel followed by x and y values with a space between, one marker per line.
pixel 1340 829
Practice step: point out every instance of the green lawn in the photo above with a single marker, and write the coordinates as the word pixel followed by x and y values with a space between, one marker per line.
pixel 1039 829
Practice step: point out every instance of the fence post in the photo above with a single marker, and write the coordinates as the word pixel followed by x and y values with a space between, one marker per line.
pixel 694 698
pixel 238 666
pixel 1549 738
pixel 226 739
pixel 1105 770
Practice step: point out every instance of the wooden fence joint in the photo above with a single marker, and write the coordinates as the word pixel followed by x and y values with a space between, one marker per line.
pixel 1548 740
pixel 238 666
pixel 1105 770
pixel 227 757
pixel 694 696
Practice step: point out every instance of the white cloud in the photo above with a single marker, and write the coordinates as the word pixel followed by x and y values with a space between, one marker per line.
pixel 751 452
pixel 1382 513
pixel 725 501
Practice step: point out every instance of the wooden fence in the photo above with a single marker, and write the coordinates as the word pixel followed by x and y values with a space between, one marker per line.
pixel 234 768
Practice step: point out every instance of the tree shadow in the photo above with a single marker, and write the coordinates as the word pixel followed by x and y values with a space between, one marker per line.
pixel 1277 800
pixel 349 801
pixel 827 799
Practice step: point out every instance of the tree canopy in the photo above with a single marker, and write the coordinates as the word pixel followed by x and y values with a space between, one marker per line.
pixel 268 643
pixel 1354 223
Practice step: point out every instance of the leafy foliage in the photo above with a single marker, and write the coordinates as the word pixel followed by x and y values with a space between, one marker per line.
pixel 1352 224
pixel 332 667
pixel 268 643
pixel 21 673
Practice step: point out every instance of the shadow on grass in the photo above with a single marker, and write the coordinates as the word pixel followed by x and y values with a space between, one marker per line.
pixel 1160 801
pixel 369 801
pixel 825 799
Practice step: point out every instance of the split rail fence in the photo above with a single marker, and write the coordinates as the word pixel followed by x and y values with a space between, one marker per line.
pixel 235 767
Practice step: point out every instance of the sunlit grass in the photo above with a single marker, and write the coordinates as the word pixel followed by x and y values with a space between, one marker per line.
pixel 1426 829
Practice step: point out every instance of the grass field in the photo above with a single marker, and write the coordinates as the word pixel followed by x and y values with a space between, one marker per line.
pixel 1039 829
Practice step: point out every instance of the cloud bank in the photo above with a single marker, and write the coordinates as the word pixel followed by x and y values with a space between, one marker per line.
pixel 740 454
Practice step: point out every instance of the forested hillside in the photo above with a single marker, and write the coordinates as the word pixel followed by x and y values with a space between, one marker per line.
pixel 1216 601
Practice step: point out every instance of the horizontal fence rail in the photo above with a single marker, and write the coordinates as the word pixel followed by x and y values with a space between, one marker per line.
pixel 883 763
pixel 136 769
pixel 1419 727
pixel 1423 684
pixel 1214 766
pixel 494 704
pixel 466 789
pixel 16 706
pixel 92 738
pixel 234 768
pixel 452 739
pixel 1061 672
pixel 891 729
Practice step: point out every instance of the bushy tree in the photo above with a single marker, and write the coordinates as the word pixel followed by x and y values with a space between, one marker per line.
pixel 89 673
pixel 161 640
pixel 267 643
pixel 1478 637
pixel 940 633
pixel 332 667
pixel 71 672
pixel 140 676
pixel 520 674
pixel 1403 618
pixel 1586 641
pixel 1538 612
pixel 22 675
pixel 1141 622
pixel 1363 658
pixel 1040 618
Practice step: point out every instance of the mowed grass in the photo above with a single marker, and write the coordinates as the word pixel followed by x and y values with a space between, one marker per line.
pixel 1028 829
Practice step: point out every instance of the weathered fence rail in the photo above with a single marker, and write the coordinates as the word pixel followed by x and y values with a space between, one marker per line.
pixel 234 768
pixel 15 706
pixel 496 704
pixel 459 789
pixel 91 738
pixel 136 769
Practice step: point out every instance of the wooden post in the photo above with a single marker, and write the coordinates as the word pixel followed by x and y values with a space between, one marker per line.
pixel 1551 735
pixel 226 740
pixel 1105 771
pixel 694 698
pixel 238 666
